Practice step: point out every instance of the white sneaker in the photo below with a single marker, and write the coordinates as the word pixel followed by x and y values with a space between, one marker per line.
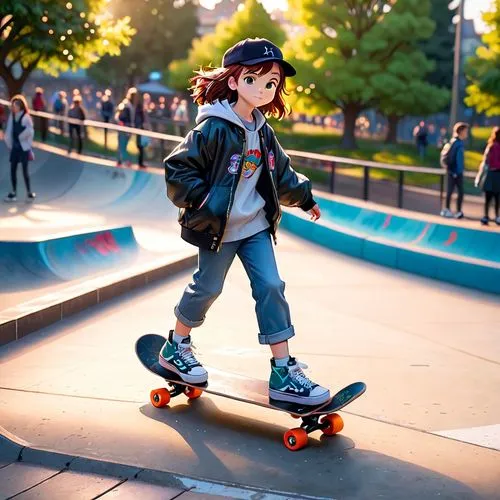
pixel 459 215
pixel 179 358
pixel 446 212
pixel 497 221
pixel 289 383
pixel 11 197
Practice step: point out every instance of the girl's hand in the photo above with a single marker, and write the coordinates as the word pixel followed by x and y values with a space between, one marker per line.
pixel 315 213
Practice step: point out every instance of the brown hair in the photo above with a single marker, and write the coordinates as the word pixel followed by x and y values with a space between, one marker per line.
pixel 22 101
pixel 211 84
pixel 494 137
pixel 460 127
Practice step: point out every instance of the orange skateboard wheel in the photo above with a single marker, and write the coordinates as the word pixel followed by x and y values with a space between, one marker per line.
pixel 295 439
pixel 335 424
pixel 159 398
pixel 193 392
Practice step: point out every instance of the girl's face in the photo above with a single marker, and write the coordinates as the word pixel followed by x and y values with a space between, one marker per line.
pixel 16 106
pixel 256 90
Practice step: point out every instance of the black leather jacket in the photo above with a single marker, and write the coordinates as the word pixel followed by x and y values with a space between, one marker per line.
pixel 199 183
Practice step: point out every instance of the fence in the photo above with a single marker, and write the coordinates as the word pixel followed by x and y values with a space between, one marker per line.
pixel 100 144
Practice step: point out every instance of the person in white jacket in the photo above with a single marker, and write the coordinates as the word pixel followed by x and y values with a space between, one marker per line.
pixel 19 139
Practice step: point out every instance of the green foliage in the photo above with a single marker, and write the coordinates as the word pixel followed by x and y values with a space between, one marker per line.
pixel 164 28
pixel 250 21
pixel 402 90
pixel 439 47
pixel 483 71
pixel 349 49
pixel 55 36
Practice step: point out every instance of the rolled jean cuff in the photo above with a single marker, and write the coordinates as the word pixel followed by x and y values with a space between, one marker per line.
pixel 185 321
pixel 276 338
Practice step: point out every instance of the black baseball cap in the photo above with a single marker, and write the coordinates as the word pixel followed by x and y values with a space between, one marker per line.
pixel 256 50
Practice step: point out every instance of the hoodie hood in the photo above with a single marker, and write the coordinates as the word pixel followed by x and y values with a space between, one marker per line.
pixel 222 109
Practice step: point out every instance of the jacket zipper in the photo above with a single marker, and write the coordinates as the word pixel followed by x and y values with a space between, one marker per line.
pixel 219 237
pixel 275 194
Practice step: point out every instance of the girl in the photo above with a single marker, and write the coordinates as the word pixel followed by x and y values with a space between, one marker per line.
pixel 19 139
pixel 131 114
pixel 229 177
pixel 491 186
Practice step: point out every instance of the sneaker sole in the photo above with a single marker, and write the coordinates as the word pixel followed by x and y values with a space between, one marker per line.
pixel 290 398
pixel 190 379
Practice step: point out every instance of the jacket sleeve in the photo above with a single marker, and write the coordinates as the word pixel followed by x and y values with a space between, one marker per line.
pixel 294 189
pixel 185 171
pixel 459 160
pixel 28 133
pixel 8 132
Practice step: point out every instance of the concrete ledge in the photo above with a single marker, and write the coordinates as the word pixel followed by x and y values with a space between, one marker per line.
pixel 12 451
pixel 29 317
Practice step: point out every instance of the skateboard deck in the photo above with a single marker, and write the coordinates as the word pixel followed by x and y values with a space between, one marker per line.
pixel 247 390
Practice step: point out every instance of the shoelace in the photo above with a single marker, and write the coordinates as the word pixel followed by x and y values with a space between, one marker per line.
pixel 297 374
pixel 186 354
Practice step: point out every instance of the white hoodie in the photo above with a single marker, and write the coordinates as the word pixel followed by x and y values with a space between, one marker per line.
pixel 247 215
pixel 25 137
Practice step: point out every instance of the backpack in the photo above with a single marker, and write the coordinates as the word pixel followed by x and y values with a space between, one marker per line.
pixel 446 158
pixel 59 106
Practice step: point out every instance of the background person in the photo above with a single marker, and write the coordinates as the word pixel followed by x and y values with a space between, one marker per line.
pixel 421 134
pixel 19 140
pixel 107 110
pixel 76 130
pixel 60 108
pixel 453 159
pixel 489 176
pixel 39 104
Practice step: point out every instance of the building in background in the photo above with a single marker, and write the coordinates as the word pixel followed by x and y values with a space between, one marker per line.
pixel 209 18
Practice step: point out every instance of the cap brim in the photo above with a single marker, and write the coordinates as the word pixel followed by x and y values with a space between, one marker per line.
pixel 287 67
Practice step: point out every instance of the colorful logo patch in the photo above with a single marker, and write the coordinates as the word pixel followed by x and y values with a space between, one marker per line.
pixel 234 163
pixel 270 160
pixel 251 163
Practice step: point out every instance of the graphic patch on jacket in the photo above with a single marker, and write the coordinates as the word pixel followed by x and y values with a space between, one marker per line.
pixel 251 163
pixel 270 160
pixel 234 163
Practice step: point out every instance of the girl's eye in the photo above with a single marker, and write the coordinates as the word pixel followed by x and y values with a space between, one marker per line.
pixel 248 80
pixel 270 85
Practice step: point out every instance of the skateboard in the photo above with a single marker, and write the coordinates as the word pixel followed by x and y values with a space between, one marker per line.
pixel 247 390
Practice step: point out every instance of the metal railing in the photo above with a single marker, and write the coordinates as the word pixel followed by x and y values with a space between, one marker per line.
pixel 163 143
pixel 330 164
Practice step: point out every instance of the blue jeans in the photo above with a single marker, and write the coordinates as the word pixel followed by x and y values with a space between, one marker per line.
pixel 123 138
pixel 257 256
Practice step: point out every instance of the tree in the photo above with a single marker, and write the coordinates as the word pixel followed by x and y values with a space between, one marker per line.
pixel 348 46
pixel 404 89
pixel 55 36
pixel 165 29
pixel 250 21
pixel 483 71
pixel 440 45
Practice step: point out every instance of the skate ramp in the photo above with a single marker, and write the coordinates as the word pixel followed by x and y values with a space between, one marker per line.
pixel 67 258
pixel 87 219
pixel 419 244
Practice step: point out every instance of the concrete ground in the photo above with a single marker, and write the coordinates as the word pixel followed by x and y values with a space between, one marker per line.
pixel 428 425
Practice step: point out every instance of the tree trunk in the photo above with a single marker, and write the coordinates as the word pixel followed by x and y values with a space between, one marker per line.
pixel 351 113
pixel 15 85
pixel 392 132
